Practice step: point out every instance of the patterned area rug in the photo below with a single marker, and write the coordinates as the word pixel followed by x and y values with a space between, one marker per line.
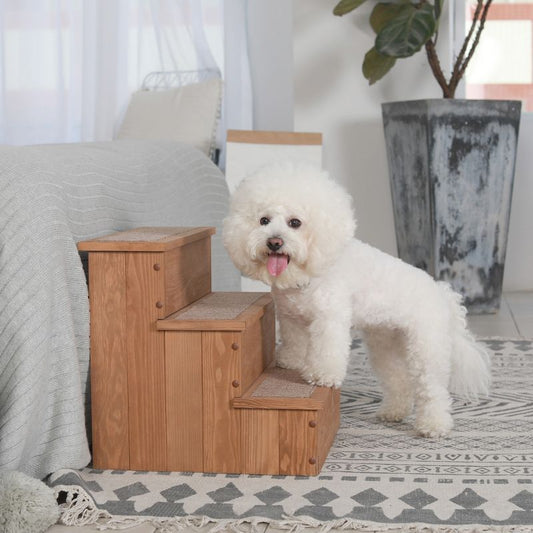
pixel 377 476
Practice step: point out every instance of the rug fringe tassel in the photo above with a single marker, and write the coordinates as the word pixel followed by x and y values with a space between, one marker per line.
pixel 79 509
pixel 299 523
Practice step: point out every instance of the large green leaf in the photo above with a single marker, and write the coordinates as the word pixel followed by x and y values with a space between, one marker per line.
pixel 407 32
pixel 345 6
pixel 376 65
pixel 382 14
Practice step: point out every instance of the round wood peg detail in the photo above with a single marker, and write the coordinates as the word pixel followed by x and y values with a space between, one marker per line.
pixel 312 461
pixel 159 304
pixel 312 423
pixel 234 346
pixel 157 266
pixel 235 383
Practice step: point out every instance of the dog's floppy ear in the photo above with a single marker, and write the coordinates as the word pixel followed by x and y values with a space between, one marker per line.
pixel 333 225
pixel 235 231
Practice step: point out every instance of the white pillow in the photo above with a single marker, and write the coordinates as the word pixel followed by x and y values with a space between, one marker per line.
pixel 188 114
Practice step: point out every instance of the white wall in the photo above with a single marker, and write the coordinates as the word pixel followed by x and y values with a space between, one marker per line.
pixel 270 39
pixel 308 76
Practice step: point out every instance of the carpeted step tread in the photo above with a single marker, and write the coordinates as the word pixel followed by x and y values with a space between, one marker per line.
pixel 280 388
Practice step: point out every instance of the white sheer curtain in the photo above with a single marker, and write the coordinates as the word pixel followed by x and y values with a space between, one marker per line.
pixel 68 67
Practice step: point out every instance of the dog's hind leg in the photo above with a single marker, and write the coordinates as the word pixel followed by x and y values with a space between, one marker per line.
pixel 388 360
pixel 428 362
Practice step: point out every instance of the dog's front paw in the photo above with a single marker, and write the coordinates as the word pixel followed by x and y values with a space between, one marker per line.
pixel 434 425
pixel 327 380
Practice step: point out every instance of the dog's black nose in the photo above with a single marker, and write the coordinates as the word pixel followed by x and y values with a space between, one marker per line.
pixel 274 243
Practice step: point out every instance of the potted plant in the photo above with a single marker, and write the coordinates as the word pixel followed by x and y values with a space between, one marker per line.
pixel 451 161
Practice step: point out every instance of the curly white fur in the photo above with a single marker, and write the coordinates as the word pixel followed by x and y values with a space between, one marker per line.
pixel 324 282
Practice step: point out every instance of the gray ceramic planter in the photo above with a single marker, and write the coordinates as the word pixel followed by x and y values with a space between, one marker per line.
pixel 451 165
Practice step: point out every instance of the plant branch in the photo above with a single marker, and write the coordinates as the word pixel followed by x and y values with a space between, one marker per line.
pixel 434 63
pixel 482 21
pixel 461 63
pixel 468 38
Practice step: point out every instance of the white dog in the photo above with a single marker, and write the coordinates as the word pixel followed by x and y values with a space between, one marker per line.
pixel 292 227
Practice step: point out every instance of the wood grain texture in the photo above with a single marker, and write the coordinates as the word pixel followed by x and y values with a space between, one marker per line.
pixel 328 420
pixel 279 402
pixel 252 354
pixel 268 333
pixel 259 337
pixel 146 363
pixel 297 443
pixel 109 363
pixel 148 239
pixel 187 274
pixel 260 442
pixel 273 137
pixel 170 324
pixel 184 402
pixel 222 424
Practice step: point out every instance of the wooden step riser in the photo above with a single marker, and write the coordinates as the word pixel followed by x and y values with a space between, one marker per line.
pixel 286 441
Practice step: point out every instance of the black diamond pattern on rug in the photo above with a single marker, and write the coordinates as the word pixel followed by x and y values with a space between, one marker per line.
pixel 178 492
pixel 320 496
pixel 468 499
pixel 272 495
pixel 524 500
pixel 162 509
pixel 135 489
pixel 225 494
pixel 94 486
pixel 369 497
pixel 418 499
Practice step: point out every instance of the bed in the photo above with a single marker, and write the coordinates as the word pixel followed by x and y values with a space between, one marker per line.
pixel 51 197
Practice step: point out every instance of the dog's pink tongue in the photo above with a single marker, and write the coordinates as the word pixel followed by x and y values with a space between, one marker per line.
pixel 277 263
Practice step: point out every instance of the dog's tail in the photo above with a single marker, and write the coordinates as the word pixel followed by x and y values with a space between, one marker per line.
pixel 470 373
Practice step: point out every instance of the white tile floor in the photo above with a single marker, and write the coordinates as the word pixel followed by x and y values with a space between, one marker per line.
pixel 514 320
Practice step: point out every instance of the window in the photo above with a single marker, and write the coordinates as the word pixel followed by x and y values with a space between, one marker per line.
pixel 502 67
pixel 68 67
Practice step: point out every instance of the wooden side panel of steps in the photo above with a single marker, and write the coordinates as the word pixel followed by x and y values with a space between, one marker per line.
pixel 146 363
pixel 328 421
pixel 184 405
pixel 109 360
pixel 222 425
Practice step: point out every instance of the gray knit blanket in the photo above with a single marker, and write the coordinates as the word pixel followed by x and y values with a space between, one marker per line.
pixel 51 197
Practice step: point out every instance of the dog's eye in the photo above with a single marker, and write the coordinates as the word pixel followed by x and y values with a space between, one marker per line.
pixel 264 221
pixel 294 223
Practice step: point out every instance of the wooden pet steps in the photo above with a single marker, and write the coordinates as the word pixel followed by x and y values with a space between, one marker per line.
pixel 182 378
